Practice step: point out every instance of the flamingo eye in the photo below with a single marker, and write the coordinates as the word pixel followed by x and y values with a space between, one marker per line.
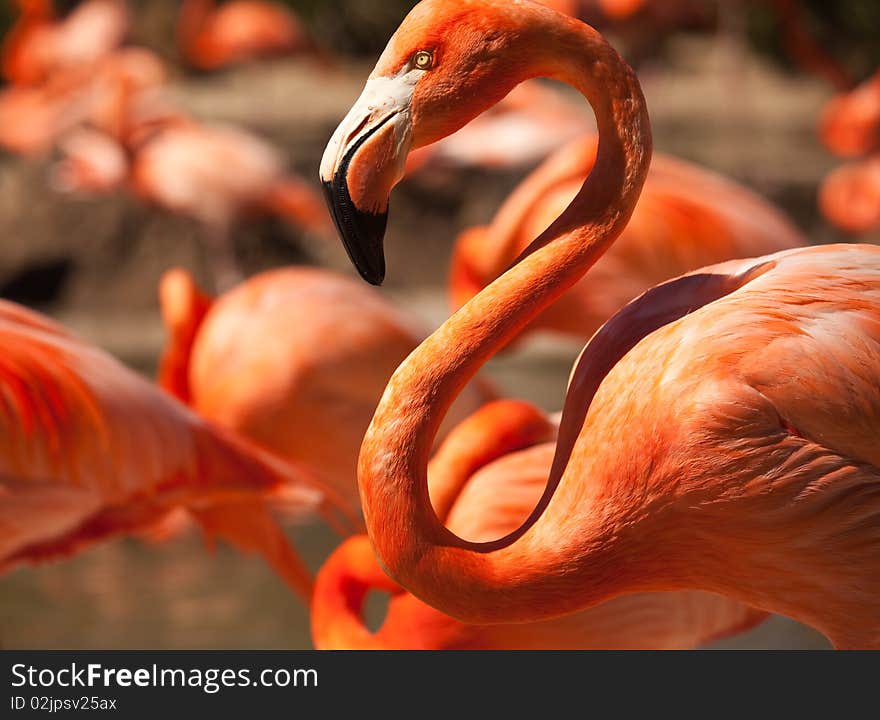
pixel 423 60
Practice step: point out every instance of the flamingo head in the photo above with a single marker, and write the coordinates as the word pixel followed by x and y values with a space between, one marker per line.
pixel 446 64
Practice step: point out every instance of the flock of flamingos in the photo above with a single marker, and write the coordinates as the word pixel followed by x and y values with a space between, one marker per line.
pixel 716 459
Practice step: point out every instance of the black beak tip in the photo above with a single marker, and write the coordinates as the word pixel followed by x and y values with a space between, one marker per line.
pixel 362 233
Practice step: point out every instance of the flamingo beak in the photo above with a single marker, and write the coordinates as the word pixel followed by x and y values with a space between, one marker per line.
pixel 365 159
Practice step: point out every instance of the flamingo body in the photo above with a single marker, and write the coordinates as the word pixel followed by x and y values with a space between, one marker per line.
pixel 215 37
pixel 686 217
pixel 850 123
pixel 40 45
pixel 850 195
pixel 295 359
pixel 216 174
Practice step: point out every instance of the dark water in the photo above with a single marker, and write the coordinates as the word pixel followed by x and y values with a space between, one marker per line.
pixel 129 595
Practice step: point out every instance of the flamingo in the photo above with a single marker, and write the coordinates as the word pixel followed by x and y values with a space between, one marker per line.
pixel 218 174
pixel 850 195
pixel 686 217
pixel 294 359
pixel 34 118
pixel 40 45
pixel 91 162
pixel 211 38
pixel 850 127
pixel 488 475
pixel 527 125
pixel 718 434
pixel 91 451
pixel 850 123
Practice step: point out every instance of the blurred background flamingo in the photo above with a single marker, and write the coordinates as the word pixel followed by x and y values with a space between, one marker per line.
pixel 850 128
pixel 218 175
pixel 850 196
pixel 686 218
pixel 116 130
pixel 212 37
pixel 295 359
pixel 90 451
pixel 850 122
pixel 36 118
pixel 41 45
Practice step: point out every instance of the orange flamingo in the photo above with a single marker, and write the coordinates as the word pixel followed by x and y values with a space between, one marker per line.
pixel 295 359
pixel 484 482
pixel 686 217
pixel 850 196
pixel 850 127
pixel 91 162
pixel 850 123
pixel 40 45
pixel 718 434
pixel 218 174
pixel 91 451
pixel 211 37
pixel 34 118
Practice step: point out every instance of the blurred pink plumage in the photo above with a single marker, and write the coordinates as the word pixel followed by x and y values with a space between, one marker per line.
pixel 686 217
pixel 89 450
pixel 295 359
pixel 40 45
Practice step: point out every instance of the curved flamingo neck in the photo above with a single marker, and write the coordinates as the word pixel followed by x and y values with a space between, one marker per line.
pixel 498 428
pixel 184 307
pixel 506 580
pixel 341 589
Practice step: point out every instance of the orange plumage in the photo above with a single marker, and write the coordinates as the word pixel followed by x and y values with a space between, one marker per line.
pixel 719 433
pixel 484 481
pixel 295 359
pixel 686 217
pixel 40 46
pixel 211 37
pixel 850 122
pixel 850 195
pixel 89 451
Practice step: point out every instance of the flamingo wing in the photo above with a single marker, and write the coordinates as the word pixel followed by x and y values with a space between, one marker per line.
pixel 88 449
